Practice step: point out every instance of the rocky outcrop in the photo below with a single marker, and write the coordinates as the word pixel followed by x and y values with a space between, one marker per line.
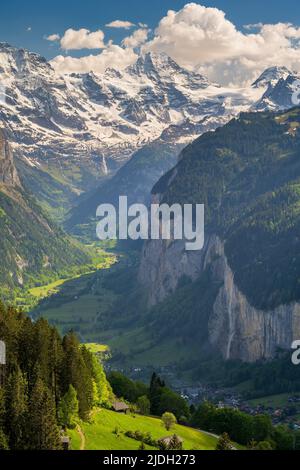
pixel 236 329
pixel 239 330
pixel 8 172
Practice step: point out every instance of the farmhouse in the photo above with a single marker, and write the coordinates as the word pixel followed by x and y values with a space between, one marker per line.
pixel 120 407
pixel 65 442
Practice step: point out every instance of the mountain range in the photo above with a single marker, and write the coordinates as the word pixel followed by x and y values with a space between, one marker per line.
pixel 72 132
pixel 210 106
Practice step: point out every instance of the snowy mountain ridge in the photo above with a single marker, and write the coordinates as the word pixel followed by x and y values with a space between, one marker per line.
pixel 88 125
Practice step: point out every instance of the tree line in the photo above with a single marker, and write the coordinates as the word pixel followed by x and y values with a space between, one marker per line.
pixel 49 382
pixel 154 399
pixel 256 432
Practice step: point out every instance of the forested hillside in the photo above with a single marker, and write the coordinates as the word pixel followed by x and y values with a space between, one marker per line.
pixel 49 382
pixel 247 174
pixel 32 246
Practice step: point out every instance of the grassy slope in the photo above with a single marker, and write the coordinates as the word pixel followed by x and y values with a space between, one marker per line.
pixel 76 306
pixel 96 348
pixel 100 433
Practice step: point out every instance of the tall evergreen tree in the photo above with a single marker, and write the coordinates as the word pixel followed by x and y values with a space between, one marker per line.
pixel 76 371
pixel 44 432
pixel 156 388
pixel 3 441
pixel 55 365
pixel 68 409
pixel 104 391
pixel 17 410
pixel 3 437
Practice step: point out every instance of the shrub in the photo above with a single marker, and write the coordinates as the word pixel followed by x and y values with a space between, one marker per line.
pixel 169 420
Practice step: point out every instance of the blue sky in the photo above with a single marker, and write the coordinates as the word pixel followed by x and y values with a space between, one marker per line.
pixel 55 16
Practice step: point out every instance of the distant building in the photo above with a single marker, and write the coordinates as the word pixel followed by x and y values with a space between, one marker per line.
pixel 120 407
pixel 65 442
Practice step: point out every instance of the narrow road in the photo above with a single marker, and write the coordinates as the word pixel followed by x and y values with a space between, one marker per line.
pixel 82 438
pixel 213 435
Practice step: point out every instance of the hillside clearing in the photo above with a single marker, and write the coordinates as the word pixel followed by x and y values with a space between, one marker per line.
pixel 107 432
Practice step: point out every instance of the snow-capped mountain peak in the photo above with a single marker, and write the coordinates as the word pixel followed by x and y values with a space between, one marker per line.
pixel 271 76
pixel 279 84
pixel 160 67
pixel 21 62
pixel 93 121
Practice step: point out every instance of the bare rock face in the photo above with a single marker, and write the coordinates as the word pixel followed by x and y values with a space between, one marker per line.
pixel 8 172
pixel 236 329
pixel 239 330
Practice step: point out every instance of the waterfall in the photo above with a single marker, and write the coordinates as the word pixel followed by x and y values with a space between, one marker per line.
pixel 104 166
pixel 230 317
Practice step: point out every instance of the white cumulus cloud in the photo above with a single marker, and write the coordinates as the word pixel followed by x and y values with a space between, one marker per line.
pixel 203 39
pixel 82 39
pixel 113 56
pixel 53 37
pixel 136 39
pixel 198 38
pixel 120 24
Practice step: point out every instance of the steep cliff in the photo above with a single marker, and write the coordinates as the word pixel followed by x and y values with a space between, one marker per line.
pixel 236 329
pixel 247 173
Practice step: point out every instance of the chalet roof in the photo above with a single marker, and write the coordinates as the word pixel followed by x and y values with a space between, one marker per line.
pixel 120 406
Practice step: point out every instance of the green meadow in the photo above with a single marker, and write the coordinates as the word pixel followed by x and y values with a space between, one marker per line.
pixel 106 431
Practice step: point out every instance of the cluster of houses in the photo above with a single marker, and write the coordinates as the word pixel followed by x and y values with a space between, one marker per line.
pixel 224 398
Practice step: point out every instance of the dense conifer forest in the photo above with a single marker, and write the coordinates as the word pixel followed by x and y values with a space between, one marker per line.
pixel 48 382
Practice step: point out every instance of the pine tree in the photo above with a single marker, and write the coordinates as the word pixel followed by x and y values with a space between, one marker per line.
pixel 16 410
pixel 76 371
pixel 26 347
pixel 2 407
pixel 156 387
pixel 55 365
pixel 68 409
pixel 104 391
pixel 3 438
pixel 3 441
pixel 43 353
pixel 87 372
pixel 44 432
